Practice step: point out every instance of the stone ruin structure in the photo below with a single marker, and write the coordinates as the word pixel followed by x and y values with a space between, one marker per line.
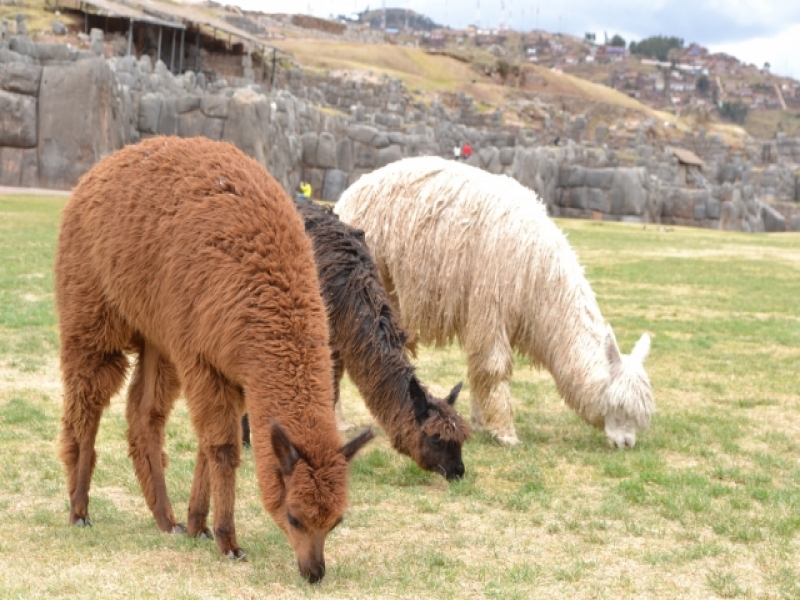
pixel 62 109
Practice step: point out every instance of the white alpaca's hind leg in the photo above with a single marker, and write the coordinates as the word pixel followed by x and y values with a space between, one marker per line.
pixel 491 407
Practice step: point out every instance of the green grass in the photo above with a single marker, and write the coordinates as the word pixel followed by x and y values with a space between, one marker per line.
pixel 707 505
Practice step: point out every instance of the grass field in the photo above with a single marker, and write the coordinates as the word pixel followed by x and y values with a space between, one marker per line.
pixel 707 505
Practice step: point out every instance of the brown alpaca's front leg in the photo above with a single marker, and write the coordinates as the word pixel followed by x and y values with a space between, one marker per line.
pixel 89 382
pixel 200 499
pixel 216 406
pixel 152 393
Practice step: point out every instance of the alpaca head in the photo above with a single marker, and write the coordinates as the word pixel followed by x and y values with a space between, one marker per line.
pixel 440 430
pixel 629 400
pixel 312 499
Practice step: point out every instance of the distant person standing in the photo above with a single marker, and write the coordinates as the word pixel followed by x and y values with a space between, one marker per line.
pixel 466 151
pixel 456 152
pixel 305 190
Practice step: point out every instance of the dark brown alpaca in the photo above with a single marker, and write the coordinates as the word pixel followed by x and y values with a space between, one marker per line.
pixel 368 341
pixel 188 253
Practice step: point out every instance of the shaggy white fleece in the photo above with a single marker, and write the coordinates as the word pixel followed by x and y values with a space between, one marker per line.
pixel 469 255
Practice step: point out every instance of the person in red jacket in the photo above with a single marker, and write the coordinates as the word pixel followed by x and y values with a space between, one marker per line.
pixel 466 151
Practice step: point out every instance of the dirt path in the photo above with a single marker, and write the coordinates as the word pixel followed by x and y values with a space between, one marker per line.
pixel 33 191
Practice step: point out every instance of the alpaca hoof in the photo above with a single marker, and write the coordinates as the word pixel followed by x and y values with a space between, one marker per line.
pixel 178 528
pixel 86 522
pixel 237 554
pixel 205 534
pixel 507 440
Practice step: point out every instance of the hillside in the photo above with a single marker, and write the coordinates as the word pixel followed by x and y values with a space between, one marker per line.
pixel 524 75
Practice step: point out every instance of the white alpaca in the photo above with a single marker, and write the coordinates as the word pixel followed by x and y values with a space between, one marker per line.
pixel 468 255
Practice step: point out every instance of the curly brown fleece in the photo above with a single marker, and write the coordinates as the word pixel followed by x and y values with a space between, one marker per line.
pixel 188 253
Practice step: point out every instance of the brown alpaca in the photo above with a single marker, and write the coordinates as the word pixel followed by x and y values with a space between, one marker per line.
pixel 368 340
pixel 188 253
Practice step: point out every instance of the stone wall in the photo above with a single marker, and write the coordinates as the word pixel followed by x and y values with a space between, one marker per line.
pixel 329 132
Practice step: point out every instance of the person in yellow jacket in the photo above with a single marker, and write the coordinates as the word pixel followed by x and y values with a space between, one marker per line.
pixel 305 190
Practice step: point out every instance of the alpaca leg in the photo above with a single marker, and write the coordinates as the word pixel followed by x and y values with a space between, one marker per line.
pixel 338 372
pixel 491 405
pixel 152 394
pixel 200 499
pixel 90 379
pixel 216 407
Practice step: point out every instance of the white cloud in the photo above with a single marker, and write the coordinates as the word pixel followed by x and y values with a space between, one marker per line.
pixel 780 51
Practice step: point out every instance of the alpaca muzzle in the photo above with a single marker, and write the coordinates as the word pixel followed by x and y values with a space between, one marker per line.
pixel 313 570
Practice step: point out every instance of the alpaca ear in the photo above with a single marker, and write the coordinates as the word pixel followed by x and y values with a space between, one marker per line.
pixel 418 399
pixel 641 349
pixel 612 352
pixel 350 449
pixel 453 395
pixel 284 450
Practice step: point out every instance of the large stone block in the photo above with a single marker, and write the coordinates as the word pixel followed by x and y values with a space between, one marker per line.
pixel 213 128
pixel 598 200
pixel 79 120
pixel 215 106
pixel 22 44
pixel 168 116
pixel 188 103
pixel 773 220
pixel 363 134
pixel 599 178
pixel 628 195
pixel 49 52
pixel 308 142
pixel 712 208
pixel 191 124
pixel 247 126
pixel 576 198
pixel 395 137
pixel 326 151
pixel 20 78
pixel 700 203
pixel 380 141
pixel 334 184
pixel 344 155
pixel 388 155
pixel 11 166
pixel 150 112
pixel 364 156
pixel 30 168
pixel 17 120
pixel 507 156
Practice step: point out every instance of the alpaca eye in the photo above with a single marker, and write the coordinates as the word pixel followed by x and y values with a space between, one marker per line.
pixel 437 442
pixel 294 522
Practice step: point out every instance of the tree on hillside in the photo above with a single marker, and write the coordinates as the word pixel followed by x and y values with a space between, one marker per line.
pixel 703 84
pixel 734 111
pixel 617 40
pixel 657 46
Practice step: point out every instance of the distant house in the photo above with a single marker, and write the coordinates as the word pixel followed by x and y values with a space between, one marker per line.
pixel 688 163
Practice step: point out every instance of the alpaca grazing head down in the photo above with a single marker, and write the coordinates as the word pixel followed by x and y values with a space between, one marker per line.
pixel 309 500
pixel 627 395
pixel 439 430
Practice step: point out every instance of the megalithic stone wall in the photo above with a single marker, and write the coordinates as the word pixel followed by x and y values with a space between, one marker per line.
pixel 61 110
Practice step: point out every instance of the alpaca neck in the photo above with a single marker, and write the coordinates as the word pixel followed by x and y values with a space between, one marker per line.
pixel 570 334
pixel 387 397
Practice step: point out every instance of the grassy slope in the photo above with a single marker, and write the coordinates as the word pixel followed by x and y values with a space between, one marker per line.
pixel 418 70
pixel 706 505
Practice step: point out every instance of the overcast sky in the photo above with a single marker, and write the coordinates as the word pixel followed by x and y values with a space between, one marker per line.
pixel 755 31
